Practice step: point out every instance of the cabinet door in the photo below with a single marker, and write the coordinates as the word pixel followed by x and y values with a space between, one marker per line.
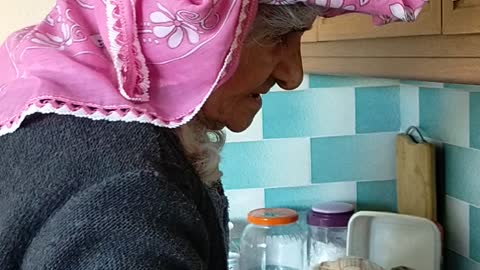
pixel 312 34
pixel 360 26
pixel 461 16
pixel 17 14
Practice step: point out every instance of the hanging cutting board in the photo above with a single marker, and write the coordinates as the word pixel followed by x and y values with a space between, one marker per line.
pixel 416 188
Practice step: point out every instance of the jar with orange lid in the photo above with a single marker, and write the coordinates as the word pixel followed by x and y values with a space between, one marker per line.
pixel 273 240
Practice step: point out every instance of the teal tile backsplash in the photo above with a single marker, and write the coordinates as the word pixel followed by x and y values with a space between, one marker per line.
pixel 249 164
pixel 475 233
pixel 304 197
pixel 455 261
pixel 462 173
pixel 322 81
pixel 350 158
pixel 377 195
pixel 377 109
pixel 334 140
pixel 475 120
pixel 444 115
pixel 309 113
pixel 463 87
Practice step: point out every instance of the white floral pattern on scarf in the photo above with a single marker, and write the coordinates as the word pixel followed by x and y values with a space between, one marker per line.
pixel 173 27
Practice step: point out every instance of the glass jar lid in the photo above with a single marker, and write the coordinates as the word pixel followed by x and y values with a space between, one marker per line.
pixel 272 217
pixel 331 214
pixel 333 208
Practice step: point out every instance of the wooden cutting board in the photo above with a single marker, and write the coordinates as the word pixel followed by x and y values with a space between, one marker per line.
pixel 416 188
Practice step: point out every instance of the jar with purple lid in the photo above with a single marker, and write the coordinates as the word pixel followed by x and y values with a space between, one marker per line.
pixel 327 232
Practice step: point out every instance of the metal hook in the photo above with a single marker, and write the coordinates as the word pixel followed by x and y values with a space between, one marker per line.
pixel 412 129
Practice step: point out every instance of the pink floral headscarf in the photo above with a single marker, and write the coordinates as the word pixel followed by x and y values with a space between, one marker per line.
pixel 153 61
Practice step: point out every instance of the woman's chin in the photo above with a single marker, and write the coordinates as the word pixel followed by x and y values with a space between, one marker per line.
pixel 239 123
pixel 240 126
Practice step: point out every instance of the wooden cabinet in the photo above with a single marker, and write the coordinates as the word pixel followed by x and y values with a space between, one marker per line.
pixel 461 16
pixel 357 26
pixel 443 45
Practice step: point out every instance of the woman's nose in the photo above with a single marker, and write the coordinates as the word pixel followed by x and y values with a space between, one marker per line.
pixel 290 77
pixel 289 71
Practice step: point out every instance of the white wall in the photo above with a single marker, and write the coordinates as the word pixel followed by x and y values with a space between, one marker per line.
pixel 20 13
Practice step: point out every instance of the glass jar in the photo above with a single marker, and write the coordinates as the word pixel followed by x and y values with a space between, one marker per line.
pixel 273 241
pixel 233 251
pixel 327 232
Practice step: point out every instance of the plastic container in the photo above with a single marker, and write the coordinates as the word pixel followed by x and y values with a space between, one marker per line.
pixel 273 241
pixel 327 232
pixel 393 240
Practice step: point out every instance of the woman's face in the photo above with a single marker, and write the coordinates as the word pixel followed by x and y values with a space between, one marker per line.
pixel 235 103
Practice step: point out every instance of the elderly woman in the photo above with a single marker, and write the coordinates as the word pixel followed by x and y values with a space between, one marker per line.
pixel 138 188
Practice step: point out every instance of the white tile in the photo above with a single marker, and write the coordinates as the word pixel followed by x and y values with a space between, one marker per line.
pixel 422 84
pixel 303 86
pixel 316 112
pixel 276 88
pixel 266 163
pixel 305 83
pixel 244 200
pixel 253 133
pixel 409 106
pixel 336 110
pixel 458 226
pixel 457 118
pixel 340 191
pixel 378 82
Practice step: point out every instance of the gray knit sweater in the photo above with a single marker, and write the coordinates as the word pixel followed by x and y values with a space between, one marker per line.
pixel 83 194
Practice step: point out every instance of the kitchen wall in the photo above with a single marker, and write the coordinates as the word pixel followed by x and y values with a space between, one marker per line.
pixel 17 14
pixel 450 114
pixel 333 139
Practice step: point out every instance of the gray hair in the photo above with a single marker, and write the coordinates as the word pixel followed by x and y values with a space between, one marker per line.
pixel 202 148
pixel 274 22
pixel 201 145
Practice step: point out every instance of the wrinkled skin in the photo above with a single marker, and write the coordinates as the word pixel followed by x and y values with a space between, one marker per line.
pixel 235 103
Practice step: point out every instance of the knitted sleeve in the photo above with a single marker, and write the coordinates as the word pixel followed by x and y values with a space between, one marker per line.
pixel 134 221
